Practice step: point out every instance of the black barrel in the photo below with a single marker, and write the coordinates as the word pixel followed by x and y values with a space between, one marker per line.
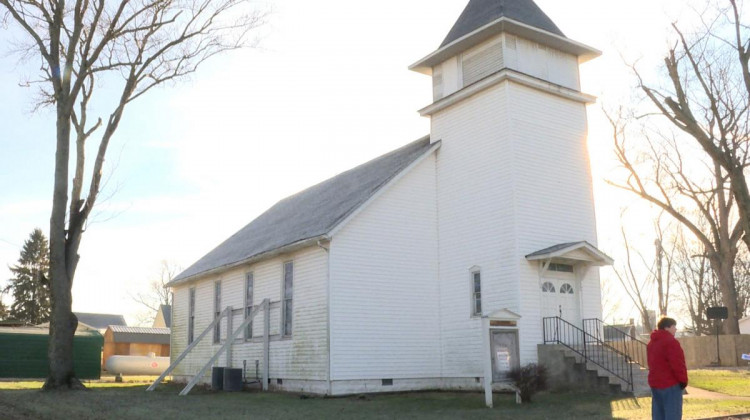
pixel 232 379
pixel 217 378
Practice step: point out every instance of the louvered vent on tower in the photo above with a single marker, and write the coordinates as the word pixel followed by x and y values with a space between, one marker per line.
pixel 437 83
pixel 481 62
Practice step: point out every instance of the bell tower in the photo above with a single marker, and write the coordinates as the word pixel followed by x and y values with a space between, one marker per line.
pixel 513 173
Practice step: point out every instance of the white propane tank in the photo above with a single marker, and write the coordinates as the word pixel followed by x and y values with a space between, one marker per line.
pixel 137 365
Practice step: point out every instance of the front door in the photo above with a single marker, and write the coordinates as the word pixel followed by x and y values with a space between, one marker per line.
pixel 560 297
pixel 504 352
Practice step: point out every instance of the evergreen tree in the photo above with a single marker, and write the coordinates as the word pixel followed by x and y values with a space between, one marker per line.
pixel 29 286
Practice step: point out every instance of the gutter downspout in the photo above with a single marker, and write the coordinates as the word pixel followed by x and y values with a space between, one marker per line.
pixel 328 314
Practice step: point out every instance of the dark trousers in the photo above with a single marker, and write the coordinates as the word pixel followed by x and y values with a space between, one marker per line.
pixel 666 404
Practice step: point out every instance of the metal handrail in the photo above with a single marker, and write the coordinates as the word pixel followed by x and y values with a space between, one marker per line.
pixel 558 331
pixel 615 337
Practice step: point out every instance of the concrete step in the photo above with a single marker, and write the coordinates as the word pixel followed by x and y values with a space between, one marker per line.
pixel 620 367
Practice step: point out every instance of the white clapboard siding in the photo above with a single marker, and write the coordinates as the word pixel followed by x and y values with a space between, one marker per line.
pixel 437 83
pixel 394 289
pixel 475 195
pixel 481 61
pixel 384 289
pixel 178 331
pixel 591 295
pixel 448 75
pixel 554 199
pixel 513 178
pixel 304 355
pixel 542 62
pixel 505 51
pixel 203 316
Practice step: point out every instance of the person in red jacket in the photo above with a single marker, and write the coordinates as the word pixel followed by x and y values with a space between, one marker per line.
pixel 667 374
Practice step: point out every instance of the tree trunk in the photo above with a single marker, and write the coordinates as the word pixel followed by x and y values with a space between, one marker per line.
pixel 742 196
pixel 62 323
pixel 725 276
pixel 647 327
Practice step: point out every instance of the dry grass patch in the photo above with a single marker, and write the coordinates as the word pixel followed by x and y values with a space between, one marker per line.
pixel 23 400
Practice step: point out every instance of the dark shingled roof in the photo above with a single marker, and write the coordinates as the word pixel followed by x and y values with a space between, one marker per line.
pixel 166 311
pixel 481 12
pixel 554 248
pixel 145 335
pixel 309 213
pixel 100 321
pixel 599 258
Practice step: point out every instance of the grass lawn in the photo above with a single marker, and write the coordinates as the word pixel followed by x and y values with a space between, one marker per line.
pixel 23 400
pixel 731 382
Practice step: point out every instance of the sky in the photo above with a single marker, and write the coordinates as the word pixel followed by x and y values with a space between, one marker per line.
pixel 326 89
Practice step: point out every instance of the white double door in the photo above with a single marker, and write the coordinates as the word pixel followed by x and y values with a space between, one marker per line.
pixel 560 297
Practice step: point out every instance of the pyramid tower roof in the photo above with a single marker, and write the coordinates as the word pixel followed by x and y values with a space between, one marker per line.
pixel 482 12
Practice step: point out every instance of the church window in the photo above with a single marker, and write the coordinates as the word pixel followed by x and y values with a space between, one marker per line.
pixel 566 289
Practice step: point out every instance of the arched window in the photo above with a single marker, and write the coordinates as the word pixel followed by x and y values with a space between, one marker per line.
pixel 548 287
pixel 566 289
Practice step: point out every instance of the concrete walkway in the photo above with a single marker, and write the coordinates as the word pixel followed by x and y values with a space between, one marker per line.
pixel 704 394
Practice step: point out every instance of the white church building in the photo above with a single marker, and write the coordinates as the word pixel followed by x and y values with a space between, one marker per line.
pixel 424 267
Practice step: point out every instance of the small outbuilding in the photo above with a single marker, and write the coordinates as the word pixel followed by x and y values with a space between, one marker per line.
pixel 23 352
pixel 99 322
pixel 745 325
pixel 163 318
pixel 135 341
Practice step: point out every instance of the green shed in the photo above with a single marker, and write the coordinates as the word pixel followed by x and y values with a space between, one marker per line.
pixel 23 352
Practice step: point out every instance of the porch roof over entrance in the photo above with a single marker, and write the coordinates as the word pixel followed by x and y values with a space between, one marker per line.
pixel 504 314
pixel 581 251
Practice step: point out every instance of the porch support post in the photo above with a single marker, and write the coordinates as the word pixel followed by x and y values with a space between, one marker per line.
pixel 487 361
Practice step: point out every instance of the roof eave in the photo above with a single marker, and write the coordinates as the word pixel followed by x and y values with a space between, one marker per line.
pixel 501 76
pixel 504 24
pixel 304 243
pixel 601 258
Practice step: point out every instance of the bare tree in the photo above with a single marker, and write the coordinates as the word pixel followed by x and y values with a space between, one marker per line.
pixel 707 97
pixel 639 283
pixel 146 43
pixel 157 293
pixel 697 283
pixel 611 299
pixel 692 190
pixel 742 279
pixel 662 271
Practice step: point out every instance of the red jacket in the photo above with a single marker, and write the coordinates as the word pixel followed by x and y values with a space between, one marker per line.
pixel 666 361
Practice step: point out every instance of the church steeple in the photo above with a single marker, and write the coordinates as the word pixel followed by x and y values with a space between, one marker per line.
pixel 497 40
pixel 479 13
